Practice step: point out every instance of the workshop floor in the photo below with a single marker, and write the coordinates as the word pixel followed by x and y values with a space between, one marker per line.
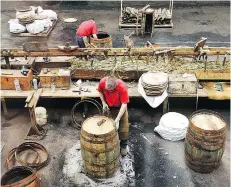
pixel 192 20
pixel 153 160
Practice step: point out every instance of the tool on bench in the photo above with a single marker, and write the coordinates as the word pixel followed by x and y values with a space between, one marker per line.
pixel 24 71
pixel 46 60
pixel 101 122
pixel 67 47
pixel 219 87
pixel 7 73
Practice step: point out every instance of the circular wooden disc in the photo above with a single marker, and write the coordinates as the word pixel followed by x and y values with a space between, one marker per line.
pixel 208 121
pixel 70 20
pixel 152 78
pixel 90 125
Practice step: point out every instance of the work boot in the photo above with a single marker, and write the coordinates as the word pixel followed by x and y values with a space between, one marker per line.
pixel 124 151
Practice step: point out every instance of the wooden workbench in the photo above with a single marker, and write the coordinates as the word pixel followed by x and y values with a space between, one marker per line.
pixel 92 86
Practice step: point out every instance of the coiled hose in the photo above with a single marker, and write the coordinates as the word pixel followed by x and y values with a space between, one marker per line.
pixel 89 100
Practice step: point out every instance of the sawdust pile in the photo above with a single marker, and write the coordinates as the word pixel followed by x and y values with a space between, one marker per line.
pixel 74 172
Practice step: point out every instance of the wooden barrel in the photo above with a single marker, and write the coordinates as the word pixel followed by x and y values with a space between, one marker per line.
pixel 205 141
pixel 104 40
pixel 99 147
pixel 20 176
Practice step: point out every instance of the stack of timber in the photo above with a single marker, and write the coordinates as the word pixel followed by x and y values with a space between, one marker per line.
pixel 133 67
pixel 162 17
pixel 154 84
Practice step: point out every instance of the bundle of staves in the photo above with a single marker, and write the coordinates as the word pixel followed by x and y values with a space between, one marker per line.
pixel 132 67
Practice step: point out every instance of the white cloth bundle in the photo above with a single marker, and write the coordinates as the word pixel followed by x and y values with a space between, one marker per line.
pixel 41 115
pixel 172 126
pixel 16 27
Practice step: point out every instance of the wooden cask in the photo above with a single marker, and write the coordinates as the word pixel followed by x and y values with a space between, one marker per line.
pixel 104 40
pixel 205 141
pixel 99 147
pixel 9 75
pixel 20 176
pixel 61 77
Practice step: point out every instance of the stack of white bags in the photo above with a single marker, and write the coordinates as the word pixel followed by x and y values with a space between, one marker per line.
pixel 38 26
pixel 172 126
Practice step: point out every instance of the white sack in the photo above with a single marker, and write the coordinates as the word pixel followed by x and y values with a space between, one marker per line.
pixel 35 28
pixel 17 28
pixel 41 115
pixel 45 22
pixel 49 13
pixel 39 9
pixel 172 126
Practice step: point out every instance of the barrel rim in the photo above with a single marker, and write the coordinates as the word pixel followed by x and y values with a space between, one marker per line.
pixel 102 39
pixel 24 181
pixel 95 135
pixel 207 112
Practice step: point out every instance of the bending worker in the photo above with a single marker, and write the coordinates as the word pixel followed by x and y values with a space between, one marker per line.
pixel 114 95
pixel 86 29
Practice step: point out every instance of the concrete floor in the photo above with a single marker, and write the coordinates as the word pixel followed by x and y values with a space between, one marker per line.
pixel 156 162
pixel 192 20
pixel 152 166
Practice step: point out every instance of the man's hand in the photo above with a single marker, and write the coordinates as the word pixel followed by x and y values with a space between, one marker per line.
pixel 117 124
pixel 105 106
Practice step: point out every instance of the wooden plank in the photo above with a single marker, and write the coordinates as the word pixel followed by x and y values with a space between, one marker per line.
pixel 59 93
pixel 43 34
pixel 144 51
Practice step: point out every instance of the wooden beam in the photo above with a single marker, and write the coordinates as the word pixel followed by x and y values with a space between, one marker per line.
pixel 144 51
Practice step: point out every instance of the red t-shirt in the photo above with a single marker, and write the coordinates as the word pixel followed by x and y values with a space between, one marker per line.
pixel 87 28
pixel 118 96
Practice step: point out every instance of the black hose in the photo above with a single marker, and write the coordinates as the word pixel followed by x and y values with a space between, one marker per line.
pixel 89 100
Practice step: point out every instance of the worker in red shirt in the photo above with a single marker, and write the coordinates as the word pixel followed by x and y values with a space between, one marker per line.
pixel 114 95
pixel 86 29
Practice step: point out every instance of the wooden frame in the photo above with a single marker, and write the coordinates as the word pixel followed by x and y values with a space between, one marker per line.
pixel 43 34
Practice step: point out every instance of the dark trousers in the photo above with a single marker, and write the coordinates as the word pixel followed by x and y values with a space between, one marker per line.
pixel 123 143
pixel 80 42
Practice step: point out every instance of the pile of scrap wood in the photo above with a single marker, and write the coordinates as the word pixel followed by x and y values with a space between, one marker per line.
pixel 130 14
pixel 162 16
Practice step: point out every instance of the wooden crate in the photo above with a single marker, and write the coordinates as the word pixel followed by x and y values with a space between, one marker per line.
pixel 7 81
pixel 61 80
pixel 182 85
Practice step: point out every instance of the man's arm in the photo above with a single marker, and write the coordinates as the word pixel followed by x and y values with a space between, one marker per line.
pixel 121 112
pixel 95 36
pixel 101 97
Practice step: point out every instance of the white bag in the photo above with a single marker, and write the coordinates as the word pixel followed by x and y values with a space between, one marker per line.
pixel 45 22
pixel 172 126
pixel 49 13
pixel 41 115
pixel 17 28
pixel 35 28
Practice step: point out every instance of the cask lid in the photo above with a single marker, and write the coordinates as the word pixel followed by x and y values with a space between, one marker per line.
pixel 98 125
pixel 208 121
